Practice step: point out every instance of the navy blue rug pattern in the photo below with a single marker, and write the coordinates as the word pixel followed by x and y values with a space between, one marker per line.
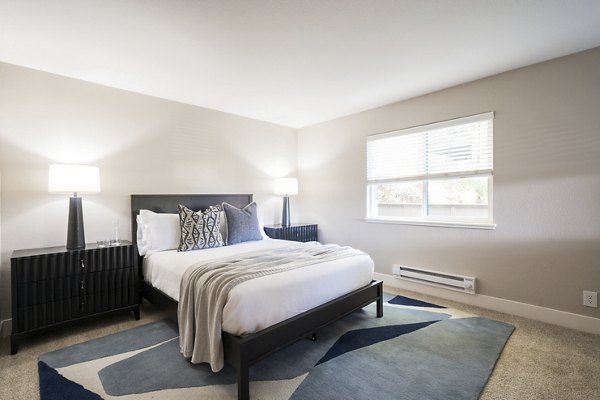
pixel 416 351
pixel 407 301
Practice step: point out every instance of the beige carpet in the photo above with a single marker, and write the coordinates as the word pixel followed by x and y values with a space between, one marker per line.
pixel 540 361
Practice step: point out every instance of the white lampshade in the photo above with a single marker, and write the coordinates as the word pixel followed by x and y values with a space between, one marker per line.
pixel 286 186
pixel 71 178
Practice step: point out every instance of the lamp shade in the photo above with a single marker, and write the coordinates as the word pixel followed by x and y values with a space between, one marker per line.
pixel 71 178
pixel 286 186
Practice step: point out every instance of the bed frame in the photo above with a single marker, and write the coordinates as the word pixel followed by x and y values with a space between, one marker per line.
pixel 242 352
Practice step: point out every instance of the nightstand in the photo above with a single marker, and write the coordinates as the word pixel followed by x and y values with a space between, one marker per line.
pixel 298 232
pixel 53 286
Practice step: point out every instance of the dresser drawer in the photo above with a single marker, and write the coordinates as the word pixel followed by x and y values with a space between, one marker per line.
pixel 55 312
pixel 39 292
pixel 43 267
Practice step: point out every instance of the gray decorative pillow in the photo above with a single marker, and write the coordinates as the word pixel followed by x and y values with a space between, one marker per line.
pixel 242 225
pixel 199 230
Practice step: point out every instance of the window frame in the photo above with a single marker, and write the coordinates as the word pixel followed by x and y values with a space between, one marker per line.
pixel 425 219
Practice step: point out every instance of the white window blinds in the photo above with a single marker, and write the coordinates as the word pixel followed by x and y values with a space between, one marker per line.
pixel 456 148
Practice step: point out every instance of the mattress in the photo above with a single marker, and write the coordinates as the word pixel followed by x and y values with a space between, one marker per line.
pixel 259 303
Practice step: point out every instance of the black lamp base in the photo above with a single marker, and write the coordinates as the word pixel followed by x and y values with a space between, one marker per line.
pixel 75 234
pixel 285 214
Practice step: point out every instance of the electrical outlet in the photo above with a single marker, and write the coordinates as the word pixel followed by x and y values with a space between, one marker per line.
pixel 590 299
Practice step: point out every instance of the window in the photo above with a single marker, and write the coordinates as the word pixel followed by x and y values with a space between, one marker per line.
pixel 437 174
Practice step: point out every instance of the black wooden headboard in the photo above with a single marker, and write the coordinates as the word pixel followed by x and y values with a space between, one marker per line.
pixel 167 203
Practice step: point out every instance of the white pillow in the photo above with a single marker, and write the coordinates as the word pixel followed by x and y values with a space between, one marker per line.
pixel 223 226
pixel 261 224
pixel 157 232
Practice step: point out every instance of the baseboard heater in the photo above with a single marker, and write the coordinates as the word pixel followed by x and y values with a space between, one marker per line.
pixel 460 283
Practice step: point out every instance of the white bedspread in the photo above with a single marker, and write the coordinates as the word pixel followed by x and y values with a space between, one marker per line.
pixel 265 301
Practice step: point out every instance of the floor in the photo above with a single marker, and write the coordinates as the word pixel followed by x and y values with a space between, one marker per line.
pixel 540 361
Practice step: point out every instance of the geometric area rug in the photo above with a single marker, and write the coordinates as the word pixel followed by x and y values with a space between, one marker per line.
pixel 416 351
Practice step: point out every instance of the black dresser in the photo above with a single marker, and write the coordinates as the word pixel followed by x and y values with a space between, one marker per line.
pixel 53 286
pixel 297 232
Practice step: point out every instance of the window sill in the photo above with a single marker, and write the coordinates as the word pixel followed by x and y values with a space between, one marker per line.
pixel 444 224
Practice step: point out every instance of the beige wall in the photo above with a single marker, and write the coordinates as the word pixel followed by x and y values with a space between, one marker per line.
pixel 141 144
pixel 1 287
pixel 546 248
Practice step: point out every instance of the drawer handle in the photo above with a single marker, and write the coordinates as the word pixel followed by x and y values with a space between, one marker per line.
pixel 82 264
pixel 83 286
pixel 83 306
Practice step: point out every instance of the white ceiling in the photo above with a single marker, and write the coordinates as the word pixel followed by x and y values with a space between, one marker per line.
pixel 293 63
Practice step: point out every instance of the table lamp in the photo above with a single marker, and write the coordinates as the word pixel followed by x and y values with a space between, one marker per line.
pixel 71 178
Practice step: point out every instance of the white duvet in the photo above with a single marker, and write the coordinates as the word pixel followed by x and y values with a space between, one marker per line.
pixel 258 303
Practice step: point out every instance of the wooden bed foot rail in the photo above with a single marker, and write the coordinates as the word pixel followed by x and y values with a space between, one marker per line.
pixel 242 352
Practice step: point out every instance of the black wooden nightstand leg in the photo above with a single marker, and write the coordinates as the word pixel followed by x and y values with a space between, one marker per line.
pixel 380 300
pixel 136 314
pixel 14 346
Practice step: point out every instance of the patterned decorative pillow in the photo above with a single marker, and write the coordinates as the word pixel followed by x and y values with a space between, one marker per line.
pixel 199 230
pixel 242 224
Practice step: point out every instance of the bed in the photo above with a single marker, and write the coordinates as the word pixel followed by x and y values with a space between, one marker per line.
pixel 245 346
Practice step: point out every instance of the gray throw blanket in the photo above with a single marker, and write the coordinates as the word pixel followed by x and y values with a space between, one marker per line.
pixel 205 287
